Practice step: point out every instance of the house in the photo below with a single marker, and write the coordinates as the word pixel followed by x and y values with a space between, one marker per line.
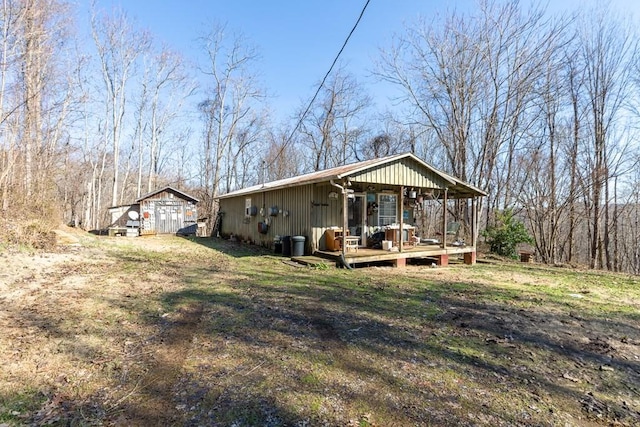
pixel 347 211
pixel 163 211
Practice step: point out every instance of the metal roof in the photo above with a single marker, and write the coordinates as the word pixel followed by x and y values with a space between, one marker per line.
pixel 343 172
pixel 168 188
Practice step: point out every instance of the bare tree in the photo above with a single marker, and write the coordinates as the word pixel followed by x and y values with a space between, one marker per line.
pixel 518 53
pixel 331 127
pixel 92 146
pixel 34 62
pixel 141 127
pixel 34 101
pixel 540 194
pixel 395 136
pixel 163 87
pixel 576 116
pixel 118 46
pixel 607 50
pixel 228 111
pixel 629 223
pixel 440 79
pixel 9 57
pixel 170 87
pixel 470 81
pixel 282 155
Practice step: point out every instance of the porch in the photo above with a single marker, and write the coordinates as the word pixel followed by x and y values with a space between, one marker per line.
pixel 439 254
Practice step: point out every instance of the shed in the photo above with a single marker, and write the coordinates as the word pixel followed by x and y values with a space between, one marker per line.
pixel 125 220
pixel 352 204
pixel 168 211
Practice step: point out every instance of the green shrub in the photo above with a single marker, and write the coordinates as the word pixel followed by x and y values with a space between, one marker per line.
pixel 506 234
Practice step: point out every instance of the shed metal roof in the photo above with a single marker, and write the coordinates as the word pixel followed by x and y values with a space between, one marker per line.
pixel 168 188
pixel 456 187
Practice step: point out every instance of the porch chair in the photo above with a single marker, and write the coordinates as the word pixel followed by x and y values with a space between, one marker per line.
pixel 452 228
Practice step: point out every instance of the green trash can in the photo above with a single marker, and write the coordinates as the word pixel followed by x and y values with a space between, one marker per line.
pixel 297 245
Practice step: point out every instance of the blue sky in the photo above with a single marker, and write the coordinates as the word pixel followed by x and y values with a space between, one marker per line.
pixel 298 39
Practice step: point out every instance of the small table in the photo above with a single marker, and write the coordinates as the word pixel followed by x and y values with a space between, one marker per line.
pixel 351 242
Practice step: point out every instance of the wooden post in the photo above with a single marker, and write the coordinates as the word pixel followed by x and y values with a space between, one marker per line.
pixel 401 200
pixel 444 218
pixel 474 221
pixel 470 257
pixel 345 219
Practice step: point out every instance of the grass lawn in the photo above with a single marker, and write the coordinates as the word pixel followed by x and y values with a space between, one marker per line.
pixel 205 332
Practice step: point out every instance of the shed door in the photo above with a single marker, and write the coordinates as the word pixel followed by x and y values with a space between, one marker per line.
pixel 169 216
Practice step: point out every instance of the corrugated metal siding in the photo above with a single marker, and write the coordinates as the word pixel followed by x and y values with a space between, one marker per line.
pixel 311 212
pixel 310 209
pixel 405 172
pixel 166 213
pixel 326 212
pixel 296 201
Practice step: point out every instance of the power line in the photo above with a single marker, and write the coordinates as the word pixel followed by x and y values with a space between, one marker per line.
pixel 324 79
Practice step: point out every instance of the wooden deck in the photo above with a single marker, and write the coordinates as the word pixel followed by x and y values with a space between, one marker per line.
pixel 399 259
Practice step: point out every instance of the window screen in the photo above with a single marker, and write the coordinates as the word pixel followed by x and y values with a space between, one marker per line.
pixel 387 209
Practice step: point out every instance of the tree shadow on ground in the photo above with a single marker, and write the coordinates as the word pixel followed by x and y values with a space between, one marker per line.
pixel 338 348
pixel 351 329
pixel 232 248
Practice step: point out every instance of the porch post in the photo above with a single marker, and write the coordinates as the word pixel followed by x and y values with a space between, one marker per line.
pixel 444 218
pixel 401 199
pixel 345 220
pixel 474 221
pixel 470 257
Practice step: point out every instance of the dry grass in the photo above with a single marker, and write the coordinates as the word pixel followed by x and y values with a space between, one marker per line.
pixel 27 235
pixel 167 331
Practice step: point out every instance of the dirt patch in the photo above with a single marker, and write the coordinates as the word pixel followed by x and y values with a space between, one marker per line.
pixel 74 324
pixel 165 353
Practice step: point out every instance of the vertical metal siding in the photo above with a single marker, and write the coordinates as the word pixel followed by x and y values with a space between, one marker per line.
pixel 296 201
pixel 407 173
pixel 328 213
pixel 163 213
pixel 310 213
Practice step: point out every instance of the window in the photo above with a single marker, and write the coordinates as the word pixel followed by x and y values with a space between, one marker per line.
pixel 387 209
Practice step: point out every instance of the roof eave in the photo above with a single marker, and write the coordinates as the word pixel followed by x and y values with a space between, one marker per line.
pixel 168 187
pixel 265 187
pixel 467 189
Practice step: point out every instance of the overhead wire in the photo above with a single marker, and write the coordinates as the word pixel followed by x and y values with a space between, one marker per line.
pixel 324 79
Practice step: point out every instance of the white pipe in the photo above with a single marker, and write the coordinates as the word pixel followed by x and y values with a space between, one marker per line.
pixel 342 189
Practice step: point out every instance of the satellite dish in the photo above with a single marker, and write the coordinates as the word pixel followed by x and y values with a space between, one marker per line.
pixel 133 215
